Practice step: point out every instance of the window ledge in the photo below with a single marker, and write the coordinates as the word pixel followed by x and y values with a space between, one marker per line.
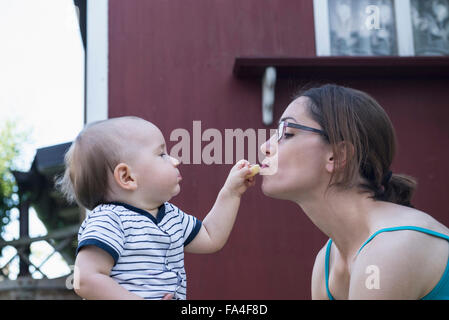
pixel 344 67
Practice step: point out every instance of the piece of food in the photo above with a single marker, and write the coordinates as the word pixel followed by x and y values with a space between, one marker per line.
pixel 255 169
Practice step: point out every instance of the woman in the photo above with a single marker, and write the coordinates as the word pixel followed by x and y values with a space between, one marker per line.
pixel 332 156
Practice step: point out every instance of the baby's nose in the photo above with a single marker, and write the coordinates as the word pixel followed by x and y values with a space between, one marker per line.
pixel 175 161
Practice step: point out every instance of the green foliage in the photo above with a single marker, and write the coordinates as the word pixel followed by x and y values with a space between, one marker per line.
pixel 11 141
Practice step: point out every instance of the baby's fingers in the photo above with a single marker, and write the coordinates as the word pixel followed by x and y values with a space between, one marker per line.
pixel 168 296
pixel 241 164
pixel 255 169
pixel 250 182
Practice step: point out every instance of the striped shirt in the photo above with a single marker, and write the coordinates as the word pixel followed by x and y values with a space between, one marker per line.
pixel 148 252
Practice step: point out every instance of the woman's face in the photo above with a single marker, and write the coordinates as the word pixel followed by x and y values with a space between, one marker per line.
pixel 297 163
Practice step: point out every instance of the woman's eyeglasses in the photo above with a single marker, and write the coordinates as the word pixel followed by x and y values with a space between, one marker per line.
pixel 284 124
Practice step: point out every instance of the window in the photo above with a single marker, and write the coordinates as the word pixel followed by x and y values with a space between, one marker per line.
pixel 381 27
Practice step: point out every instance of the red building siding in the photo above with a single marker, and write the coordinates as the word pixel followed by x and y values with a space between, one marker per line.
pixel 171 63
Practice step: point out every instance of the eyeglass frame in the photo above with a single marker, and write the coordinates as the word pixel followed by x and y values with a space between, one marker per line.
pixel 284 124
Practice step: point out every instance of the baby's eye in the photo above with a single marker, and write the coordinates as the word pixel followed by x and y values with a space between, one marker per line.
pixel 163 154
pixel 288 135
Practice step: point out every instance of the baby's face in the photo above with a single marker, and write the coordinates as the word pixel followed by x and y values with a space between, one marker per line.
pixel 156 172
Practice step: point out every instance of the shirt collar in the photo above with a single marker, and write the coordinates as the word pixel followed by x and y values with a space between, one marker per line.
pixel 160 213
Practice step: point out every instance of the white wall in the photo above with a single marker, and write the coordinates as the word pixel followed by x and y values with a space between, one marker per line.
pixel 97 61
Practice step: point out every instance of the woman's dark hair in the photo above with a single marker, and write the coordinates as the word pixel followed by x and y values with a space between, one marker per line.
pixel 363 141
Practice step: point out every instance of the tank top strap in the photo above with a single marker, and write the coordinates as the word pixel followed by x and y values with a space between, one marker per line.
pixel 326 268
pixel 419 229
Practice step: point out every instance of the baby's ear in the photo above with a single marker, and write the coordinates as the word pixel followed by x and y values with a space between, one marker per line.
pixel 124 177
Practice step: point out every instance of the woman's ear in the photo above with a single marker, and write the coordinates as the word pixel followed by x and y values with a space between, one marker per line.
pixel 344 151
pixel 330 163
pixel 124 177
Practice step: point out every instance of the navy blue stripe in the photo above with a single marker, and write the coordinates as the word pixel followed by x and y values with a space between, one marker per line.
pixel 115 273
pixel 102 239
pixel 148 290
pixel 99 244
pixel 138 221
pixel 149 285
pixel 167 212
pixel 140 270
pixel 140 228
pixel 176 261
pixel 120 271
pixel 187 226
pixel 147 241
pixel 157 249
pixel 156 297
pixel 152 241
pixel 173 225
pixel 147 278
pixel 131 214
pixel 97 234
pixel 194 232
pixel 148 272
pixel 156 235
pixel 172 234
pixel 168 220
pixel 104 213
pixel 152 255
pixel 140 262
pixel 149 234
pixel 183 217
pixel 96 225
pixel 93 222
pixel 174 241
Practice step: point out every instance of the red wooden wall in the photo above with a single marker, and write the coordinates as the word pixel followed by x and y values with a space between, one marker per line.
pixel 171 62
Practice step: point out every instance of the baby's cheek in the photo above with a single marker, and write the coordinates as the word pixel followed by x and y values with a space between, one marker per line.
pixel 168 177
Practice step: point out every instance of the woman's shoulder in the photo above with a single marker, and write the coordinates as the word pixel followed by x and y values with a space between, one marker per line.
pixel 409 231
pixel 403 251
pixel 392 215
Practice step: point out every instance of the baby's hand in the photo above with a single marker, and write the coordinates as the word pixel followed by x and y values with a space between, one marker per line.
pixel 240 178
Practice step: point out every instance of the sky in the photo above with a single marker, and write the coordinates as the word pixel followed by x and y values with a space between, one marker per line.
pixel 42 89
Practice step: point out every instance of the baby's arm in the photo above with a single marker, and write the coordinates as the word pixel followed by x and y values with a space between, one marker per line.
pixel 92 281
pixel 218 223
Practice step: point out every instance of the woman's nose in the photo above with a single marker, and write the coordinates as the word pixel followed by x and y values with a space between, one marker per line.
pixel 268 148
pixel 264 148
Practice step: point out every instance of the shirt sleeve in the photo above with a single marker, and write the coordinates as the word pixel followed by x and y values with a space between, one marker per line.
pixel 102 229
pixel 190 225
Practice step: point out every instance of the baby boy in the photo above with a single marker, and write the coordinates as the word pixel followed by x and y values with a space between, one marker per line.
pixel 131 244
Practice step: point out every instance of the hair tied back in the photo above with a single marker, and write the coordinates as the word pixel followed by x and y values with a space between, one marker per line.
pixel 387 178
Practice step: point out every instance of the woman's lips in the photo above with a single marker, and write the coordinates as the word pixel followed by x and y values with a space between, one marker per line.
pixel 269 167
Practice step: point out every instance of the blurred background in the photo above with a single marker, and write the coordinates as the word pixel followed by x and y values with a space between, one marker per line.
pixel 229 64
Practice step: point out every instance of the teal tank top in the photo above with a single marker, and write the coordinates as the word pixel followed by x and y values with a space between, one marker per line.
pixel 441 290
